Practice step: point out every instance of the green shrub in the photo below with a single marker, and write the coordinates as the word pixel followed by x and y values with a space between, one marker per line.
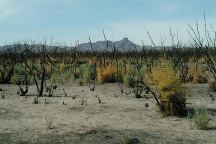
pixel 128 80
pixel 201 119
pixel 67 75
pixel 15 79
pixel 87 72
pixel 128 140
pixel 19 69
pixel 57 78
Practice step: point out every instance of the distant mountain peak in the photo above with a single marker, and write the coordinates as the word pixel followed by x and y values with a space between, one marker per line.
pixel 124 44
pixel 125 39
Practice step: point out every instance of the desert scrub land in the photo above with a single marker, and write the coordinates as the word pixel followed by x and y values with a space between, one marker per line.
pixel 56 94
pixel 118 117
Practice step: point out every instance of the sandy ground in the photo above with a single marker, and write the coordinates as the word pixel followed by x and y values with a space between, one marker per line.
pixel 118 116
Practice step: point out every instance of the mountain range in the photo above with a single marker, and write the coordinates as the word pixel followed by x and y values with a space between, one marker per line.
pixel 122 45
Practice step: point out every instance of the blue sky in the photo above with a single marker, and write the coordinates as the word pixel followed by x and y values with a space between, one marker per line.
pixel 71 20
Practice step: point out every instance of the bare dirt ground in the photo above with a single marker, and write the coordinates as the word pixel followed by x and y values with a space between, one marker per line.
pixel 118 116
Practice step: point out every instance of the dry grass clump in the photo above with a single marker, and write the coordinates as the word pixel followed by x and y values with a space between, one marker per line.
pixel 168 84
pixel 197 73
pixel 107 74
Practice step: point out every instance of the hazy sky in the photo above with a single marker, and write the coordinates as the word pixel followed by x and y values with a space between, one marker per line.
pixel 71 20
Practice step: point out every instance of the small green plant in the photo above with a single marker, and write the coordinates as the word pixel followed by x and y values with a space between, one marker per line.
pixel 128 140
pixel 67 75
pixel 201 119
pixel 15 79
pixel 19 69
pixel 49 122
pixel 87 71
pixel 57 78
pixel 128 80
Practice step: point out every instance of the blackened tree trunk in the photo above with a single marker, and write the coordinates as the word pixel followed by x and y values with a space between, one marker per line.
pixel 42 83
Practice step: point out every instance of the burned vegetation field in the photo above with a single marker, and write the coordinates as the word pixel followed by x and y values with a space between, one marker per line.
pixel 56 94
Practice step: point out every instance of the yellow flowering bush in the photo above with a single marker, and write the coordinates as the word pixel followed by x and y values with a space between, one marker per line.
pixel 168 83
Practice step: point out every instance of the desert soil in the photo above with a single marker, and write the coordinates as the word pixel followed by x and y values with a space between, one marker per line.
pixel 118 117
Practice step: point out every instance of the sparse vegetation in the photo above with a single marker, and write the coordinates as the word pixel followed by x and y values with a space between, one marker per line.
pixel 201 119
pixel 157 75
pixel 128 140
pixel 128 80
pixel 87 71
pixel 57 78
